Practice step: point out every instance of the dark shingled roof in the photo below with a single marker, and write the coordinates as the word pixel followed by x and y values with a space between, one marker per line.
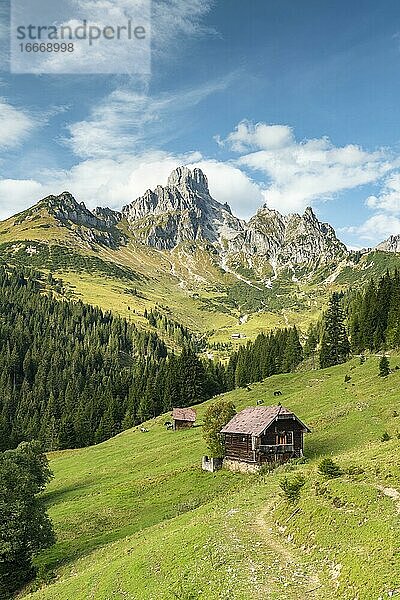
pixel 184 414
pixel 255 419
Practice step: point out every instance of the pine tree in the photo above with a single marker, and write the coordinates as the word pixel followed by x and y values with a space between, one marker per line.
pixel 335 347
pixel 312 340
pixel 384 366
pixel 293 354
pixel 393 320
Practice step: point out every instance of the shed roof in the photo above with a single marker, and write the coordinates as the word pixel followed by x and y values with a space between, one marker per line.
pixel 184 414
pixel 255 419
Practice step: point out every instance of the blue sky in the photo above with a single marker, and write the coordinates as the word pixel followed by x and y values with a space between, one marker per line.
pixel 279 101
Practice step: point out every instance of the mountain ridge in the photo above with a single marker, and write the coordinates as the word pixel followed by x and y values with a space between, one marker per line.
pixel 178 248
pixel 184 211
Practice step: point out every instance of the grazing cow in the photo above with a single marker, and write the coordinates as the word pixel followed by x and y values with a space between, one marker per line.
pixel 144 430
pixel 278 393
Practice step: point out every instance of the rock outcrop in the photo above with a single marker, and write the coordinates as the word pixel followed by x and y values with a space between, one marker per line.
pixel 184 210
pixel 392 244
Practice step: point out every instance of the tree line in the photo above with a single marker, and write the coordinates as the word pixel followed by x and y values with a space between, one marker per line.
pixel 72 375
pixel 355 322
pixel 277 352
pixel 374 315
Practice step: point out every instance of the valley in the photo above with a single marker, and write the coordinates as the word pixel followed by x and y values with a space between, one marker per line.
pixel 137 518
pixel 179 249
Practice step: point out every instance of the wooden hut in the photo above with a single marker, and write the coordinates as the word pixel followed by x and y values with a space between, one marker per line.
pixel 262 434
pixel 183 418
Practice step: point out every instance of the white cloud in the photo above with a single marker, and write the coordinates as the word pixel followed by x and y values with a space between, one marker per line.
pixel 389 198
pixel 248 135
pixel 127 121
pixel 97 182
pixel 113 183
pixel 375 229
pixel 173 21
pixel 116 182
pixel 302 172
pixel 15 125
pixel 18 194
pixel 169 25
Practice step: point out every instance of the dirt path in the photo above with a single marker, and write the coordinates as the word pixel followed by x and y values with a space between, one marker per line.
pixel 299 577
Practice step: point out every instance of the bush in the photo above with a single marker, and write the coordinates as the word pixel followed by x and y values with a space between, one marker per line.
pixel 267 468
pixel 291 487
pixel 354 470
pixel 329 469
pixel 385 437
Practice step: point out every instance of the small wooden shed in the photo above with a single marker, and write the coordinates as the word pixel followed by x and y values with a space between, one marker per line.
pixel 263 434
pixel 183 418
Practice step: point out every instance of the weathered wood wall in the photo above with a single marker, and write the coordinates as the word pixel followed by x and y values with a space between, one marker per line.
pixel 182 424
pixel 238 446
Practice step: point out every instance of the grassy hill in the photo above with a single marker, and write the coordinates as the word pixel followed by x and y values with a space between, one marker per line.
pixel 137 518
pixel 188 283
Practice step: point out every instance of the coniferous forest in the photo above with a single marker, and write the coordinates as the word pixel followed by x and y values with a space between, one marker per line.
pixel 374 315
pixel 72 375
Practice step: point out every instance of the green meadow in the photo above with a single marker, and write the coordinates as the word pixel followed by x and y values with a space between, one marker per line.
pixel 137 518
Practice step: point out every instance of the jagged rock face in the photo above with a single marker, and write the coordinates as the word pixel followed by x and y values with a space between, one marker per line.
pixel 184 210
pixel 392 244
pixel 93 228
pixel 108 216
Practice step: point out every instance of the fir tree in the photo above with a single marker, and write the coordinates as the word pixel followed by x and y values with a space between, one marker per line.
pixel 384 366
pixel 335 347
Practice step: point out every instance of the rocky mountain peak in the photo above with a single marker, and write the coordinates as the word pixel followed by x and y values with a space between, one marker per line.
pixel 184 178
pixel 186 192
pixel 97 227
pixel 184 210
pixel 310 214
pixel 392 244
pixel 107 215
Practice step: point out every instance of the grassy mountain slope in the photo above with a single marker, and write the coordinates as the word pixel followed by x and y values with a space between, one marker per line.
pixel 188 283
pixel 137 518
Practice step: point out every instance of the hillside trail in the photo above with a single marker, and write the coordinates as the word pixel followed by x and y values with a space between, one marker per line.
pixel 294 576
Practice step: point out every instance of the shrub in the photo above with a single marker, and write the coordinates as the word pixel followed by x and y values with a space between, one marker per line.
pixel 329 469
pixel 267 468
pixel 291 487
pixel 354 470
pixel 385 437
